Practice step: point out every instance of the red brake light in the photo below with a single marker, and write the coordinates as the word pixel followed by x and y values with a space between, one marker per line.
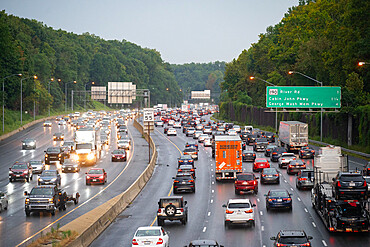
pixel 191 181
pixel 160 241
pixel 176 181
pixel 338 184
pixel 249 211
pixel 179 170
pixel 302 179
pixel 134 242
pixel 229 211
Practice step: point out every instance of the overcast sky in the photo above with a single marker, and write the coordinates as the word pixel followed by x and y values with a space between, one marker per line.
pixel 183 31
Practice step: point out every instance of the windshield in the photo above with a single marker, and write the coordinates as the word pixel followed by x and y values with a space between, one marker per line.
pixel 54 149
pixel 48 173
pixel 83 146
pixel 349 178
pixel 186 167
pixel 20 166
pixel 175 202
pixel 278 194
pixel 34 162
pixel 42 191
pixel 145 233
pixel 245 177
pixel 118 152
pixel 269 171
pixel 239 205
pixel 94 171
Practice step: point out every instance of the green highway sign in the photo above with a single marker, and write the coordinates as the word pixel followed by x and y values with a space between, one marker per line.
pixel 303 97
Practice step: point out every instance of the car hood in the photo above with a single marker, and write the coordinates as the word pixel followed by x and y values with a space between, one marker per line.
pixel 39 196
pixel 47 177
pixel 83 151
pixel 94 175
pixel 18 170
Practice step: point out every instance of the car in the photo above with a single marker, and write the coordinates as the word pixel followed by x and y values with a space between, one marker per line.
pixel 70 165
pixel 177 125
pixel 292 238
pixel 123 144
pixel 151 236
pixel 203 243
pixel 269 149
pixel 62 122
pixel 350 185
pixel 295 166
pixel 237 128
pixel 243 135
pixel 270 175
pixel 246 182
pixel 158 123
pixel 47 124
pixel 29 143
pixel 187 169
pixel 285 159
pixel 171 122
pixel 172 208
pixel 270 137
pixel 305 179
pixel 58 136
pixel 192 144
pixel 260 163
pixel 38 166
pixel 185 160
pixel 192 152
pixel 197 134
pixel 251 139
pixel 20 171
pixel 207 142
pixel 49 177
pixel 199 127
pixel 367 179
pixel 53 154
pixel 202 137
pixel 119 155
pixel 276 153
pixel 3 201
pixel 232 132
pixel 123 129
pixel 239 211
pixel 183 182
pixel 306 153
pixel 207 130
pixel 278 198
pixel 190 131
pixel 366 170
pixel 248 155
pixel 96 176
pixel 171 132
pixel 260 144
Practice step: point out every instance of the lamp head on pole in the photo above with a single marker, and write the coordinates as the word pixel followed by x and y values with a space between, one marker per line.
pixel 290 72
pixel 361 63
pixel 251 77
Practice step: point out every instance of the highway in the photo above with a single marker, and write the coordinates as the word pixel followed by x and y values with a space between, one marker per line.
pixel 15 227
pixel 206 215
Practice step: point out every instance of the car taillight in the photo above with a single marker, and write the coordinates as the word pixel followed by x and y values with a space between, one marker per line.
pixel 160 241
pixel 338 184
pixel 312 151
pixel 176 181
pixel 191 181
pixel 306 244
pixel 288 199
pixel 181 161
pixel 249 211
pixel 254 154
pixel 290 166
pixel 254 182
pixel 179 170
pixel 229 211
pixel 302 179
pixel 274 153
pixel 365 184
pixel 159 210
pixel 181 210
pixel 263 175
pixel 278 245
pixel 134 242
pixel 191 160
pixel 191 170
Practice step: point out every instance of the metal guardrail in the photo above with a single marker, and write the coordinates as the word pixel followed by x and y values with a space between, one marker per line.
pixel 344 149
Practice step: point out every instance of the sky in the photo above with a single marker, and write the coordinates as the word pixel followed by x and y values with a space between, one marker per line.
pixel 183 31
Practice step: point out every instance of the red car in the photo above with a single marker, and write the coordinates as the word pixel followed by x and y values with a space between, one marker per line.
pixel 96 176
pixel 20 171
pixel 245 182
pixel 119 155
pixel 260 163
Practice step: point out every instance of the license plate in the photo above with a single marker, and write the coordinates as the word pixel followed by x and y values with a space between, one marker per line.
pixel 147 242
pixel 69 168
pixel 183 182
pixel 279 200
pixel 18 176
pixel 352 184
pixel 94 180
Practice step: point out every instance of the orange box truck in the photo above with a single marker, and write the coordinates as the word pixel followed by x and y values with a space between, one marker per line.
pixel 228 154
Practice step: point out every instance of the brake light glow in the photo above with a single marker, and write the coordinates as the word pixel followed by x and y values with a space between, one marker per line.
pixel 134 242
pixel 249 211
pixel 229 211
pixel 338 184
pixel 302 179
pixel 176 181
pixel 160 241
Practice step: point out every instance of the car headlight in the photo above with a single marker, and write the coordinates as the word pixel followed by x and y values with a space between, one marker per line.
pixel 51 200
pixel 53 179
pixel 46 155
pixel 32 143
pixel 101 177
pixel 90 156
pixel 27 201
pixel 25 172
pixel 40 180
pixel 87 177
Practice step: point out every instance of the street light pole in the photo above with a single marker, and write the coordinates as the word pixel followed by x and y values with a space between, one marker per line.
pixel 35 77
pixel 4 99
pixel 296 72
pixel 271 84
pixel 65 93
pixel 51 80
pixel 93 83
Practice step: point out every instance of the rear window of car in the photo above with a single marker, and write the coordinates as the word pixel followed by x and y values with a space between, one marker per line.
pixel 146 233
pixel 269 171
pixel 165 202
pixel 245 177
pixel 53 149
pixel 278 194
pixel 190 150
pixel 184 178
pixel 239 205
pixel 307 174
pixel 293 240
pixel 349 178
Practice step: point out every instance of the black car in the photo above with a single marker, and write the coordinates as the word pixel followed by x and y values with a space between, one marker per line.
pixel 306 153
pixel 29 143
pixel 292 238
pixel 53 154
pixel 183 182
pixel 185 160
pixel 70 166
pixel 348 185
pixel 270 137
pixel 48 177
pixel 305 179
pixel 251 139
pixel 295 166
pixel 203 243
pixel 260 144
pixel 270 175
pixel 58 136
pixel 70 144
pixel 38 166
pixel 187 169
pixel 269 149
pixel 276 153
pixel 366 171
pixel 244 135
pixel 278 198
pixel 248 155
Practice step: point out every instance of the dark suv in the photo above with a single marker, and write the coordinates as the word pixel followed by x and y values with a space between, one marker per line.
pixel 292 238
pixel 183 182
pixel 20 171
pixel 246 182
pixel 349 185
pixel 276 153
pixel 185 160
pixel 172 208
pixel 53 154
pixel 49 177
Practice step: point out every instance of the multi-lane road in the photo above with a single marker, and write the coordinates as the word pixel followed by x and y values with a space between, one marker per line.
pixel 206 215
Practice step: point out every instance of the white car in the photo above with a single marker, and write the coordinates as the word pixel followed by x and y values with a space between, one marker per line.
pixel 207 142
pixel 123 144
pixel 239 211
pixel 3 201
pixel 151 236
pixel 285 159
pixel 197 134
pixel 177 125
pixel 171 132
pixel 171 122
pixel 202 137
pixel 62 122
pixel 232 132
pixel 237 128
pixel 158 123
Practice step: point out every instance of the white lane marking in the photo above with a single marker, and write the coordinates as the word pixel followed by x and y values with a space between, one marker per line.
pixel 212 170
pixel 213 191
pixel 204 229
pixel 66 187
pixel 263 245
pixel 313 223
pixel 258 200
pixel 262 228
pixel 213 182
pixel 212 175
pixel 323 242
pixel 285 181
pixel 299 199
pixel 211 200
pixel 261 213
pixel 79 178
pixel 209 213
pixel 305 209
pixel 291 189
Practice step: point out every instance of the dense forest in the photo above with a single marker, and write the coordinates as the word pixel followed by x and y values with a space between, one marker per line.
pixel 200 76
pixel 323 39
pixel 31 48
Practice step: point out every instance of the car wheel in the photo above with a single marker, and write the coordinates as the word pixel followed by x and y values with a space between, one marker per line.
pixel 226 224
pixel 112 160
pixel 237 192
pixel 1 208
pixel 253 223
pixel 170 210
pixel 194 190
pixel 267 208
pixel 10 180
pixel 28 213
pixel 52 212
pixel 87 183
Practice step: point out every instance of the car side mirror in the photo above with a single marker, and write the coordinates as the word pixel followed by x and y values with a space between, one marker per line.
pixel 186 202
pixel 10 168
pixel 44 151
pixel 253 205
pixel 224 206
pixel 173 177
pixel 265 194
pixel 26 193
pixel 257 177
pixel 273 238
pixel 309 237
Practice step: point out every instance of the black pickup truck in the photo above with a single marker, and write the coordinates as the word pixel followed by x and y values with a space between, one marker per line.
pixel 47 198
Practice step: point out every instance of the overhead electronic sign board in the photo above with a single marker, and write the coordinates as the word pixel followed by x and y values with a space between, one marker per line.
pixel 303 97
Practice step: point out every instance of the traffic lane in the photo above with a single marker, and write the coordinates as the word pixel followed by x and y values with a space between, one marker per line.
pixel 75 183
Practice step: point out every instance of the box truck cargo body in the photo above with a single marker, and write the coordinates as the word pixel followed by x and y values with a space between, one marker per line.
pixel 293 135
pixel 228 155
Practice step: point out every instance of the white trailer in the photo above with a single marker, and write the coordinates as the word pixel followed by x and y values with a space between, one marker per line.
pixel 88 145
